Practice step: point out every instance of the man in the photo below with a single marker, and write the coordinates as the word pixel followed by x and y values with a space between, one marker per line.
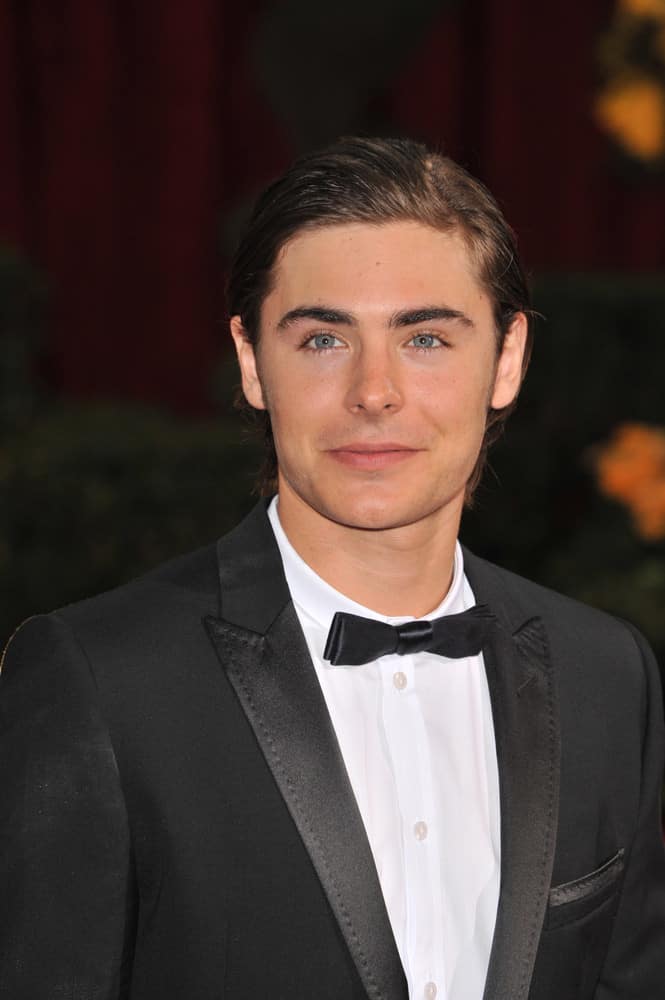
pixel 337 756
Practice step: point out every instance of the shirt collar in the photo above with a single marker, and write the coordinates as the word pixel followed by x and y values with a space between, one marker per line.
pixel 319 601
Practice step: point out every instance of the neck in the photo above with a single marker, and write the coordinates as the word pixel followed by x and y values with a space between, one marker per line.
pixel 405 570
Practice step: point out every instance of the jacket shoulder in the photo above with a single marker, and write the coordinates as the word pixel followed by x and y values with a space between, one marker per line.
pixel 185 582
pixel 146 618
pixel 578 633
pixel 520 597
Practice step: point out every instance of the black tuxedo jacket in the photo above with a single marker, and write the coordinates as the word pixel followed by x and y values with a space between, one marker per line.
pixel 176 820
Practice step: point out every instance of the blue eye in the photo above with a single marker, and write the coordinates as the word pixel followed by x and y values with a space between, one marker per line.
pixel 322 342
pixel 425 341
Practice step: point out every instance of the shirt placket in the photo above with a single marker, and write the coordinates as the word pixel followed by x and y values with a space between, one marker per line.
pixel 408 747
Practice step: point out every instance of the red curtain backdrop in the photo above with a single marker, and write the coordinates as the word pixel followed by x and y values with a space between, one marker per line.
pixel 134 132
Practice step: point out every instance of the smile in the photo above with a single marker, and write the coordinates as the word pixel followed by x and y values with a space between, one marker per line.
pixel 372 456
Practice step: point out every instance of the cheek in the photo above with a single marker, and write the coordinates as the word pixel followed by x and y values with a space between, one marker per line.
pixel 297 413
pixel 298 398
pixel 477 382
pixel 459 398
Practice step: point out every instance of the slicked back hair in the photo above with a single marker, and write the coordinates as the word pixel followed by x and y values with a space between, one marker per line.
pixel 376 181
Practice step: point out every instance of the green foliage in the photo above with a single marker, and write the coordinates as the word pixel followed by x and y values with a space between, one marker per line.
pixel 93 495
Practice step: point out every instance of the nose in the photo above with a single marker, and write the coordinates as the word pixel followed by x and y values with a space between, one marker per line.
pixel 374 386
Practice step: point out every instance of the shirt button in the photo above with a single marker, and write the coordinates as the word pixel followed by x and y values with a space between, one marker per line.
pixel 420 833
pixel 399 680
pixel 429 991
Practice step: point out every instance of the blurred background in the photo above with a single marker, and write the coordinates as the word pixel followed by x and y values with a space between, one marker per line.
pixel 135 135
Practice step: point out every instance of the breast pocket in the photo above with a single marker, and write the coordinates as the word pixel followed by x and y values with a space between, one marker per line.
pixel 581 897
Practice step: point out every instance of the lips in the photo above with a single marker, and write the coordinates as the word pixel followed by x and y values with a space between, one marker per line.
pixel 377 455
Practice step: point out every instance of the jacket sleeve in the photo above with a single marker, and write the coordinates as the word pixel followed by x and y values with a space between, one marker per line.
pixel 66 881
pixel 634 968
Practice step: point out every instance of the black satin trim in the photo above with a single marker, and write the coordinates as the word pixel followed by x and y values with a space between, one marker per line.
pixel 276 684
pixel 526 726
pixel 253 587
pixel 584 896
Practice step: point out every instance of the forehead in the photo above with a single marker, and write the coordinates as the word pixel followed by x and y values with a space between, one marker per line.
pixel 372 266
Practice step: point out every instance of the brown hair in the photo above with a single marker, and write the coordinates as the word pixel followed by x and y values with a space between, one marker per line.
pixel 377 181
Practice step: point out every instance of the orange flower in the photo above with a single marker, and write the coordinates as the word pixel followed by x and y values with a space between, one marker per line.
pixel 631 468
pixel 633 112
pixel 649 512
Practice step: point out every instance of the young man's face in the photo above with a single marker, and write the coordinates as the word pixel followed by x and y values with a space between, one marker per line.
pixel 377 362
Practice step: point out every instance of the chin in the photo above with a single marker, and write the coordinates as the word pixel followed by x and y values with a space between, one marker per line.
pixel 374 514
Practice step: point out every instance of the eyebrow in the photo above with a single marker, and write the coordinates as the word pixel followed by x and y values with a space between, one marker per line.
pixel 402 318
pixel 322 314
pixel 410 317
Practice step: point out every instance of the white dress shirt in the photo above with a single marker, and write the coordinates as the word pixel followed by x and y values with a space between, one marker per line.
pixel 417 739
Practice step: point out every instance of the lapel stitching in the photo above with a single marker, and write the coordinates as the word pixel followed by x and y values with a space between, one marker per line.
pixel 531 640
pixel 275 684
pixel 524 707
pixel 296 802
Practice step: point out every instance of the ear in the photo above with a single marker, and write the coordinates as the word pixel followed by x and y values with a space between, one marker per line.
pixel 251 383
pixel 509 366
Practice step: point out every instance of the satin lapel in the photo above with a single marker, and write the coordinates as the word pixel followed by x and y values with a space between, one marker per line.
pixel 262 648
pixel 526 727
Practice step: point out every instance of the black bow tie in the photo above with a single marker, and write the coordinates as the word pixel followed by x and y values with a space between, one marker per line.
pixel 353 640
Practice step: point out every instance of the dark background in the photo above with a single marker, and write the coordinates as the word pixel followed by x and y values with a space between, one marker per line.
pixel 134 138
